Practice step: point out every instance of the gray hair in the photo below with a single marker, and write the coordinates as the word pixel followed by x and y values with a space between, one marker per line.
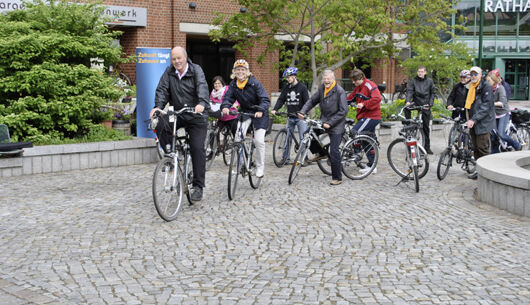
pixel 328 71
pixel 183 50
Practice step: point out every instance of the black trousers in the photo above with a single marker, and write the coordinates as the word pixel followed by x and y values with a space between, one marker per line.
pixel 426 119
pixel 196 129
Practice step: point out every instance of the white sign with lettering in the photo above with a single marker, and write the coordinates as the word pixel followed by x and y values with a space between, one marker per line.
pixel 506 6
pixel 121 15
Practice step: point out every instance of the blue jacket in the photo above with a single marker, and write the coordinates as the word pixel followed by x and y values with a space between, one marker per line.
pixel 252 95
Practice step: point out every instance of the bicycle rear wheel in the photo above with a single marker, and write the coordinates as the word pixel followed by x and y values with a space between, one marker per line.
pixel 167 189
pixel 398 156
pixel 444 164
pixel 254 180
pixel 279 146
pixel 298 162
pixel 356 156
pixel 227 140
pixel 416 178
pixel 524 134
pixel 325 164
pixel 211 149
pixel 234 169
pixel 188 172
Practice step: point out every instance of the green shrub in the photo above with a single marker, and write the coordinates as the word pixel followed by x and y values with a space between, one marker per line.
pixel 48 92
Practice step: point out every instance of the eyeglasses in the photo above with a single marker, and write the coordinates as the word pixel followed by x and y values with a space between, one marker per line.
pixel 473 73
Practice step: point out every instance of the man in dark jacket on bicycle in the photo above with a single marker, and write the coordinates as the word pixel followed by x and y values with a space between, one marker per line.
pixel 457 97
pixel 183 85
pixel 420 91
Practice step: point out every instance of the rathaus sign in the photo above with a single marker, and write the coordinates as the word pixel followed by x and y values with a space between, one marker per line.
pixel 506 6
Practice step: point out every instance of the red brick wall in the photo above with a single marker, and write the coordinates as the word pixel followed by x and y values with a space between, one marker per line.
pixel 388 71
pixel 162 31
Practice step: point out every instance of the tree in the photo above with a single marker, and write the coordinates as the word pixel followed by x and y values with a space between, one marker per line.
pixel 327 34
pixel 47 89
pixel 443 61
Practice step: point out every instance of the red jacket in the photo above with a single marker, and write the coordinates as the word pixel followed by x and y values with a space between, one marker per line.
pixel 368 94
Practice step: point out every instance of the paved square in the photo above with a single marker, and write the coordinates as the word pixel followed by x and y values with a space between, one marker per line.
pixel 93 236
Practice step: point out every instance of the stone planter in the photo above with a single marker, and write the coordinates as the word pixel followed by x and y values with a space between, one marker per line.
pixel 107 124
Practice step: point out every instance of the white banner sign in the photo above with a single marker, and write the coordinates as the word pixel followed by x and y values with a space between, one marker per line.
pixel 122 15
pixel 506 6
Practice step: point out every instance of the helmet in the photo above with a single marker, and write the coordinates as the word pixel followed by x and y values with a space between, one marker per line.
pixel 241 63
pixel 464 73
pixel 290 71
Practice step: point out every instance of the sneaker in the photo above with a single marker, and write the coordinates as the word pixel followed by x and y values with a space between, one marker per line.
pixel 366 169
pixel 335 182
pixel 196 195
pixel 318 157
pixel 473 175
pixel 429 151
pixel 259 172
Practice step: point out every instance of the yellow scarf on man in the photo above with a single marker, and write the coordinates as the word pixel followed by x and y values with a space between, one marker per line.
pixel 242 84
pixel 326 90
pixel 471 94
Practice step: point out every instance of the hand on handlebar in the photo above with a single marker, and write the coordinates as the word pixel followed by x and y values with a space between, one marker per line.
pixel 225 111
pixel 301 116
pixel 273 112
pixel 153 112
pixel 199 108
pixel 258 114
pixel 326 126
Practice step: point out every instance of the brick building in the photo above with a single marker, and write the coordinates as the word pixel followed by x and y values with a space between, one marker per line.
pixel 186 23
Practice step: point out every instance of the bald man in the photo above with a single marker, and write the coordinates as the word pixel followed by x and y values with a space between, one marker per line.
pixel 183 85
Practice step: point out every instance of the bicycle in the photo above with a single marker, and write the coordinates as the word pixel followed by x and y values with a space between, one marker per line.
pixel 400 91
pixel 242 156
pixel 173 174
pixel 406 154
pixel 511 130
pixel 280 144
pixel 302 155
pixel 459 148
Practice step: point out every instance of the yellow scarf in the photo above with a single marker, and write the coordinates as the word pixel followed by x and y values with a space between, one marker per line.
pixel 470 99
pixel 242 84
pixel 326 90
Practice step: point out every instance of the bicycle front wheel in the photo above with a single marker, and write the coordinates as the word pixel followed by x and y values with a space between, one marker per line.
pixel 398 156
pixel 279 147
pixel 233 169
pixel 359 157
pixel 444 164
pixel 167 189
pixel 299 160
pixel 423 161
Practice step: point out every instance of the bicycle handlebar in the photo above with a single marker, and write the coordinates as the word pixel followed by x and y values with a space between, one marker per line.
pixel 180 111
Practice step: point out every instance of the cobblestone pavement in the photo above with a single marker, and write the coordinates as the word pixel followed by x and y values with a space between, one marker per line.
pixel 93 236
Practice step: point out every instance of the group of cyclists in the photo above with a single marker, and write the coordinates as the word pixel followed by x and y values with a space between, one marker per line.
pixel 183 84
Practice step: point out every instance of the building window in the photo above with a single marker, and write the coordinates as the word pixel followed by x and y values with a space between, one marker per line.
pixel 524 21
pixel 506 24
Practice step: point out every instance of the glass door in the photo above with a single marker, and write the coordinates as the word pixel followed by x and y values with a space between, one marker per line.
pixel 517 75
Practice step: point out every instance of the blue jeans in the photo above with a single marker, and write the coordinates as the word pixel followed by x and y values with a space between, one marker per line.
pixel 334 155
pixel 367 126
pixel 501 131
pixel 302 127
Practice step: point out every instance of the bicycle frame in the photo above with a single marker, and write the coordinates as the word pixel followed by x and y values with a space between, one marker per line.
pixel 240 138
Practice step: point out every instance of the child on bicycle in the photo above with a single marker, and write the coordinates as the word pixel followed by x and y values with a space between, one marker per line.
pixel 367 100
pixel 294 95
pixel 252 97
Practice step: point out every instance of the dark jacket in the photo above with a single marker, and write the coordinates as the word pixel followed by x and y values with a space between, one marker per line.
pixel 458 96
pixel 333 107
pixel 420 91
pixel 189 91
pixel 294 96
pixel 252 95
pixel 482 111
